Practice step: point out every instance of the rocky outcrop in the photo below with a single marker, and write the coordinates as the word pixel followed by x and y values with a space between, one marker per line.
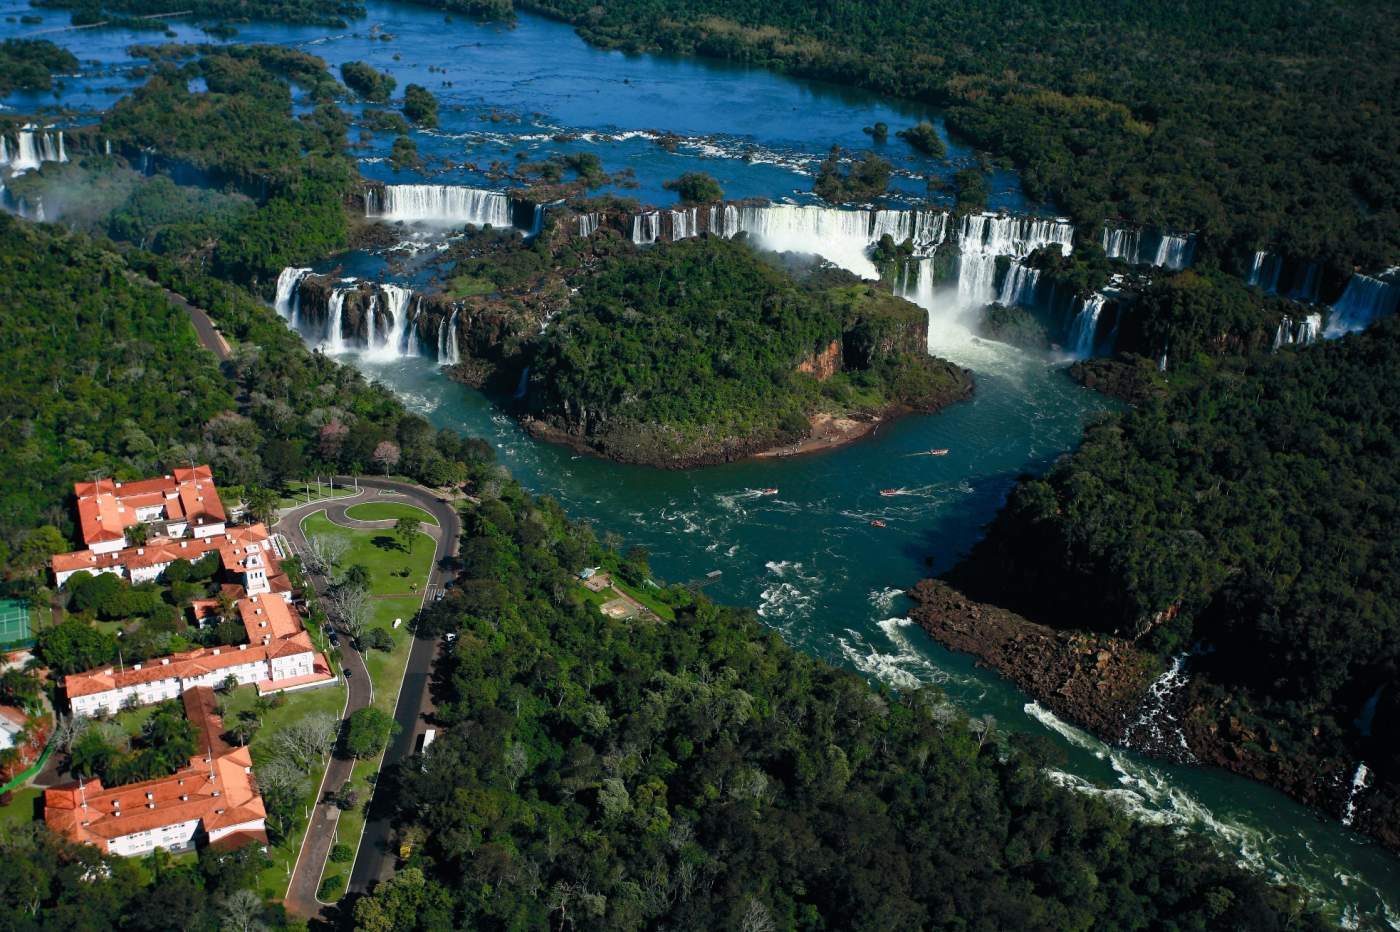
pixel 823 364
pixel 1107 685
pixel 1097 680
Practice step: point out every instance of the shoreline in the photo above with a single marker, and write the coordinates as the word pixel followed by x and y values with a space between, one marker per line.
pixel 1103 684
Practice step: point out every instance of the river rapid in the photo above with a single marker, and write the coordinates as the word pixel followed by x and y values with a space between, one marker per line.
pixel 807 559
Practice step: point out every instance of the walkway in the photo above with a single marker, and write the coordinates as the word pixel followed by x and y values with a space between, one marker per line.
pixel 320 834
pixel 209 336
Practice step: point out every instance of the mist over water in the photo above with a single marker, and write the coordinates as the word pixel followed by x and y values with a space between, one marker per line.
pixel 807 559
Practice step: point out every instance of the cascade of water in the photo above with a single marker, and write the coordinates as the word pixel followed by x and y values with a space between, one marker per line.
pixel 411 341
pixel 396 309
pixel 4 150
pixel 1364 301
pixel 439 204
pixel 1174 252
pixel 1359 781
pixel 1120 243
pixel 1086 325
pixel 984 237
pixel 448 352
pixel 334 342
pixel 1157 728
pixel 1018 288
pixel 588 224
pixel 523 384
pixel 289 293
pixel 1302 332
pixel 369 321
pixel 645 227
pixel 685 223
pixel 1264 271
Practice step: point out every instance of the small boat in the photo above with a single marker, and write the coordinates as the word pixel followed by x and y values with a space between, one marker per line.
pixel 888 492
pixel 941 451
pixel 877 523
pixel 769 492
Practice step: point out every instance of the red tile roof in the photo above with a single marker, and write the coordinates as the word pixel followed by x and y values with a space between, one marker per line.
pixel 106 508
pixel 217 788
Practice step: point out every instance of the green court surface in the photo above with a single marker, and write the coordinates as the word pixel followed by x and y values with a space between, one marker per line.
pixel 14 623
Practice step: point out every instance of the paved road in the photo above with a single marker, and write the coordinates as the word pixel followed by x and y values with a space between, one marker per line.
pixel 209 336
pixel 320 836
pixel 374 861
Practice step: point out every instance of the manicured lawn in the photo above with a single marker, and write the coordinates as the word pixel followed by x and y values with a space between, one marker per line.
pixel 391 568
pixel 21 810
pixel 132 721
pixel 388 511
pixel 293 496
pixel 297 705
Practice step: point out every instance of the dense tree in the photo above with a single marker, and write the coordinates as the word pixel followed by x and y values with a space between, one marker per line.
pixel 420 106
pixel 695 188
pixel 368 731
pixel 599 774
pixel 368 83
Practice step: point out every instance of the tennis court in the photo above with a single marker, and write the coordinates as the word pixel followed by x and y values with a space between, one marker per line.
pixel 14 623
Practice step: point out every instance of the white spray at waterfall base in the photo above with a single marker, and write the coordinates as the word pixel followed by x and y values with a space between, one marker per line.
pixel 1359 781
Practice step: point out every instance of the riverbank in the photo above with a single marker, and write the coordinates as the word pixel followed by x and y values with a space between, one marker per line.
pixel 663 447
pixel 1126 696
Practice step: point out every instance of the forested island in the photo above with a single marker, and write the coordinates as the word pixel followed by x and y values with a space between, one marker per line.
pixel 700 351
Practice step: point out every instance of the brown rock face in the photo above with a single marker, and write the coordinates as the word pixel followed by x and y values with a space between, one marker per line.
pixel 1096 680
pixel 825 364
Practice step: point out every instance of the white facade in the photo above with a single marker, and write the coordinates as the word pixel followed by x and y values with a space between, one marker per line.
pixel 207 530
pixel 178 837
pixel 255 670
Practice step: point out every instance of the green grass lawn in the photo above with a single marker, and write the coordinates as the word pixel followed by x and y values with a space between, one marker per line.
pixel 388 511
pixel 21 810
pixel 293 496
pixel 391 568
pixel 131 721
pixel 296 705
pixel 395 596
pixel 469 286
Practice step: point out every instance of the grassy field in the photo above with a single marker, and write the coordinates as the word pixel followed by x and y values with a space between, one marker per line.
pixel 21 809
pixel 294 706
pixel 385 671
pixel 388 511
pixel 391 568
pixel 291 497
pixel 397 578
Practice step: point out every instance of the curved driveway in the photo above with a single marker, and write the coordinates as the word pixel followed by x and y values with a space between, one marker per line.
pixel 373 860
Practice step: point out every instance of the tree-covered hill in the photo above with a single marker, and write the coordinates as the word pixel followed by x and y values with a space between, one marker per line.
pixel 703 350
pixel 592 773
pixel 1253 122
pixel 1248 517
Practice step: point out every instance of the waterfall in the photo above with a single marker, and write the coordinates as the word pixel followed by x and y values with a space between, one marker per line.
pixel 1157 728
pixel 1086 325
pixel 1174 252
pixel 523 384
pixel 984 237
pixel 1359 781
pixel 1364 301
pixel 916 282
pixel 646 227
pixel 411 344
pixel 288 299
pixel 1162 363
pixel 1264 271
pixel 438 204
pixel 334 342
pixel 34 147
pixel 369 320
pixel 448 353
pixel 396 308
pixel 588 224
pixel 1121 243
pixel 1301 332
pixel 685 223
pixel 4 150
pixel 1019 286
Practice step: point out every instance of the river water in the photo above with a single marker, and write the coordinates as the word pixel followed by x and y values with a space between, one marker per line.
pixel 807 559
